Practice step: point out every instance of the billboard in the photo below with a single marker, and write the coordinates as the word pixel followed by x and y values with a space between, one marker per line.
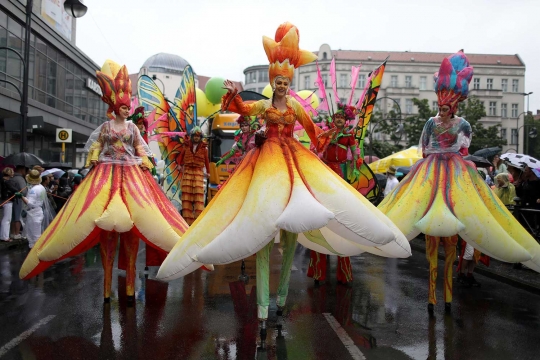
pixel 53 13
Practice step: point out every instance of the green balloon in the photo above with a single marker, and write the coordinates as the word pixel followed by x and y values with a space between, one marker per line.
pixel 214 90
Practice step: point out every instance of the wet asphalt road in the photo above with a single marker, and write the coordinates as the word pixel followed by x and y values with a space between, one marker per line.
pixel 60 315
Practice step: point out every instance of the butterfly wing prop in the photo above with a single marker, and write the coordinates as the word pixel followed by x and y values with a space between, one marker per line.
pixel 185 101
pixel 163 127
pixel 367 183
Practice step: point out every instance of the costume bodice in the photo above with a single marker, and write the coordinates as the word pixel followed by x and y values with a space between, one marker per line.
pixel 279 124
pixel 441 137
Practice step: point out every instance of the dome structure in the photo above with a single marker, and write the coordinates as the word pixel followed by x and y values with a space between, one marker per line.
pixel 165 63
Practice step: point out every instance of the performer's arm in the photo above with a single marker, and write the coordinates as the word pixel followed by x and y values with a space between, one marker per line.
pixel 312 130
pixel 141 149
pixel 231 101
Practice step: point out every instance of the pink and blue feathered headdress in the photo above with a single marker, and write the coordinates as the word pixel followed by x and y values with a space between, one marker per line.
pixel 452 80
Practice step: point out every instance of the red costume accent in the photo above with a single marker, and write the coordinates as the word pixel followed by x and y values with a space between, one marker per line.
pixel 334 155
pixel 194 158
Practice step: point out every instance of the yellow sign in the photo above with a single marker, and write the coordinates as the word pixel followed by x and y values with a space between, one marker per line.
pixel 63 135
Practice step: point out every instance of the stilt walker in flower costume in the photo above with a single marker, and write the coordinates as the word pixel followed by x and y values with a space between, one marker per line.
pixel 118 196
pixel 280 186
pixel 244 140
pixel 193 158
pixel 335 156
pixel 444 195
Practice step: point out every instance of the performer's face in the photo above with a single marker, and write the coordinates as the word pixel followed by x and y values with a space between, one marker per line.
pixel 123 112
pixel 196 138
pixel 444 110
pixel 339 121
pixel 141 127
pixel 244 127
pixel 282 86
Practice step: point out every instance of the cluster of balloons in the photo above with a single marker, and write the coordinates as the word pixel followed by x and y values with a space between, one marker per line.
pixel 209 100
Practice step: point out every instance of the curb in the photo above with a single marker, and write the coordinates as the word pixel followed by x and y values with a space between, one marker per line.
pixel 482 270
pixel 12 244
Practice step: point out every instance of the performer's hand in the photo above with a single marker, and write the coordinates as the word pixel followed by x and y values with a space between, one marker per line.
pixel 93 162
pixel 220 161
pixel 144 167
pixel 228 85
pixel 328 132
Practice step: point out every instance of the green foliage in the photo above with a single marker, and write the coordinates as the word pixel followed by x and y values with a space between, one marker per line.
pixel 473 110
pixel 415 124
pixel 531 144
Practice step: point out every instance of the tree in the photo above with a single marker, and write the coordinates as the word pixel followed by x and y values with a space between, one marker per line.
pixel 473 110
pixel 415 124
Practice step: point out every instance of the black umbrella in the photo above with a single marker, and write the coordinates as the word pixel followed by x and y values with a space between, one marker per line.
pixel 23 159
pixel 488 152
pixel 478 161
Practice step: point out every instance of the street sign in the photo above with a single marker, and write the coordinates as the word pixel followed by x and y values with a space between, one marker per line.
pixel 63 135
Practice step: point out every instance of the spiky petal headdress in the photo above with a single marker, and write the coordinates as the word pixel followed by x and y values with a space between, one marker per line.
pixel 284 53
pixel 116 86
pixel 452 80
pixel 138 117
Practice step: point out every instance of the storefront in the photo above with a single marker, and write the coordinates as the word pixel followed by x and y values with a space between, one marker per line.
pixel 63 88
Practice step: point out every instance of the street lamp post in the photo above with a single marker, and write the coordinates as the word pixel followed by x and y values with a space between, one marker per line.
pixel 519 128
pixel 527 95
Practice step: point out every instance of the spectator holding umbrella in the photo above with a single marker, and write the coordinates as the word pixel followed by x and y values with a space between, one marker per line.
pixel 18 182
pixel 35 201
pixel 499 166
pixel 7 192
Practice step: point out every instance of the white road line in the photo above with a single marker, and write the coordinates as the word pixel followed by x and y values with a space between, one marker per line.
pixel 16 341
pixel 293 268
pixel 344 337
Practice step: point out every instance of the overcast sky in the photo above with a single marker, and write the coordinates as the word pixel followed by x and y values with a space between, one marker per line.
pixel 221 38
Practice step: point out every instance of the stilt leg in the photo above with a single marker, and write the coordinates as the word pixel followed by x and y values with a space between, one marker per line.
pixel 107 248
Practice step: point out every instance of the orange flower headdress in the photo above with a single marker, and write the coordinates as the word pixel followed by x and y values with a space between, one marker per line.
pixel 116 86
pixel 284 53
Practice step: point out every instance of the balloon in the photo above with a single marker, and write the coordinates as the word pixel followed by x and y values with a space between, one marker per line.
pixel 212 108
pixel 214 90
pixel 267 91
pixel 314 99
pixel 202 103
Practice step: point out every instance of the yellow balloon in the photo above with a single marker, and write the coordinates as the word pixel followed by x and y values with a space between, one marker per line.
pixel 202 103
pixel 304 94
pixel 212 108
pixel 267 91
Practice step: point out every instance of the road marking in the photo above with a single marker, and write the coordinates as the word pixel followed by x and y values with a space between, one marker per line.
pixel 16 341
pixel 344 337
pixel 293 268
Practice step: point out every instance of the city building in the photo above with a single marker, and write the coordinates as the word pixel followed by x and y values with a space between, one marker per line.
pixel 498 82
pixel 63 88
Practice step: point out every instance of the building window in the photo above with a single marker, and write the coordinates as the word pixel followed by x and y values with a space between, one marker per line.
pixel 408 81
pixel 361 81
pixel 435 106
pixel 263 76
pixel 324 55
pixel 393 81
pixel 342 80
pixel 423 82
pixel 476 83
pixel 504 85
pixel 514 110
pixel 325 79
pixel 503 134
pixel 408 106
pixel 492 108
pixel 307 82
pixel 490 84
pixel 513 140
pixel 396 103
pixel 504 110
pixel 515 85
